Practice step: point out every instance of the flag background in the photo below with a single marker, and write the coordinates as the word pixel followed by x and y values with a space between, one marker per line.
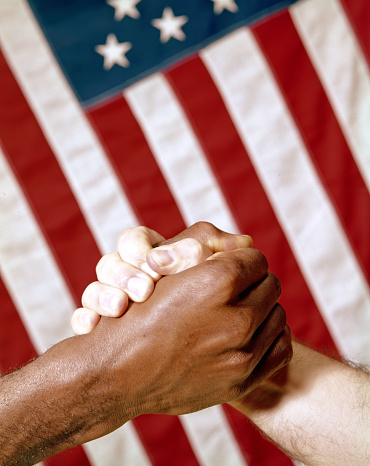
pixel 258 123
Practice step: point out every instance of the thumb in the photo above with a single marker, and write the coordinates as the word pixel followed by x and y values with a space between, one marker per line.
pixel 134 244
pixel 176 257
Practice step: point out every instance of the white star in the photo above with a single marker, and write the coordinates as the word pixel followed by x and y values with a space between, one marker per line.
pixel 221 5
pixel 114 53
pixel 124 7
pixel 170 25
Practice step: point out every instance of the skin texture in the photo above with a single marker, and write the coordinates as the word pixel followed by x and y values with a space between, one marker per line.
pixel 224 333
pixel 136 258
pixel 316 409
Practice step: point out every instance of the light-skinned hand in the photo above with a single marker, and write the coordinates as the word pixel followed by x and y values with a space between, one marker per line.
pixel 130 273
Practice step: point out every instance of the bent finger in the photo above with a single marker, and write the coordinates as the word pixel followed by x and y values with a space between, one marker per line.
pixel 239 270
pixel 276 357
pixel 135 243
pixel 212 237
pixel 111 270
pixel 259 300
pixel 105 300
pixel 270 347
pixel 84 321
pixel 176 257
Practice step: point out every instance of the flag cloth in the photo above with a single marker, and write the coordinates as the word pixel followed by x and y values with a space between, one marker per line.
pixel 254 116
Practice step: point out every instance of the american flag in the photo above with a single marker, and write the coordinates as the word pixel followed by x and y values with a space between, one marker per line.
pixel 253 115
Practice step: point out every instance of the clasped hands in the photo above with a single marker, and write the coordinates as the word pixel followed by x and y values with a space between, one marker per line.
pixel 199 321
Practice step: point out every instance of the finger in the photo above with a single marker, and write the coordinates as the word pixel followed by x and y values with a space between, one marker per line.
pixel 268 350
pixel 176 257
pixel 134 244
pixel 239 270
pixel 268 331
pixel 264 342
pixel 276 357
pixel 214 239
pixel 271 372
pixel 84 321
pixel 259 300
pixel 111 270
pixel 105 300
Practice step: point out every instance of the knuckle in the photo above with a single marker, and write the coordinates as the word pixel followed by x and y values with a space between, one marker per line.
pixel 238 362
pixel 236 267
pixel 269 290
pixel 139 230
pixel 280 315
pixel 204 231
pixel 134 231
pixel 123 235
pixel 193 247
pixel 102 265
pixel 207 227
pixel 88 292
pixel 259 259
pixel 283 350
pixel 275 285
pixel 237 392
pixel 286 342
pixel 231 274
pixel 227 275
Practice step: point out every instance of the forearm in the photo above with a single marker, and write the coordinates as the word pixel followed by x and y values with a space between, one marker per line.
pixel 318 412
pixel 50 405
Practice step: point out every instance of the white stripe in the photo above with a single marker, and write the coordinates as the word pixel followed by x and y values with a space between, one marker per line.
pixel 43 301
pixel 335 53
pixel 29 270
pixel 178 153
pixel 211 438
pixel 118 448
pixel 73 141
pixel 295 192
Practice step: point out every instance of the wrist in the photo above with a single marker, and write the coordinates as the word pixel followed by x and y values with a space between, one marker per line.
pixel 272 392
pixel 53 404
pixel 265 396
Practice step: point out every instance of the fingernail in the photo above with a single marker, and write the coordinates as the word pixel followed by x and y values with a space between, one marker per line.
pixel 162 257
pixel 110 302
pixel 137 286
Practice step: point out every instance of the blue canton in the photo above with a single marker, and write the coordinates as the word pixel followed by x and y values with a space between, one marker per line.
pixel 105 46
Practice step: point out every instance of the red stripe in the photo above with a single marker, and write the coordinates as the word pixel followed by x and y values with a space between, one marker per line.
pixel 245 195
pixel 73 457
pixel 257 450
pixel 164 439
pixel 16 347
pixel 135 165
pixel 358 12
pixel 319 129
pixel 45 186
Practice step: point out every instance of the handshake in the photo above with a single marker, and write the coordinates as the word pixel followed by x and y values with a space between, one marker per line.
pixel 199 324
pixel 206 333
